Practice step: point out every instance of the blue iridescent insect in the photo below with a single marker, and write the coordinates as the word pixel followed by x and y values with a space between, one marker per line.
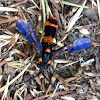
pixel 45 49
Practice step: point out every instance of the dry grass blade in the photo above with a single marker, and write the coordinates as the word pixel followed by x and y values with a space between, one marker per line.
pixel 46 74
pixel 65 81
pixel 98 6
pixel 86 26
pixel 21 53
pixel 1 78
pixel 75 17
pixel 92 74
pixel 70 79
pixel 67 98
pixel 84 31
pixel 41 98
pixel 71 63
pixel 97 62
pixel 56 88
pixel 5 16
pixel 52 80
pixel 18 65
pixel 4 37
pixel 73 20
pixel 22 14
pixel 8 20
pixel 63 38
pixel 35 4
pixel 5 61
pixel 59 93
pixel 3 43
pixel 72 85
pixel 6 90
pixel 37 79
pixel 2 62
pixel 11 26
pixel 75 5
pixel 14 40
pixel 19 3
pixel 38 24
pixel 9 59
pixel 8 9
pixel 32 92
pixel 8 32
pixel 15 64
pixel 44 18
pixel 55 4
pixel 58 18
pixel 20 97
pixel 96 44
pixel 62 61
pixel 93 2
pixel 88 62
pixel 35 12
pixel 48 90
pixel 47 9
pixel 58 43
pixel 12 81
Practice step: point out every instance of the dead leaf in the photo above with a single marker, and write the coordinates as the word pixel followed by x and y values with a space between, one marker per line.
pixel 55 4
pixel 8 20
pixel 59 93
pixel 92 74
pixel 11 26
pixel 21 53
pixel 17 4
pixel 14 40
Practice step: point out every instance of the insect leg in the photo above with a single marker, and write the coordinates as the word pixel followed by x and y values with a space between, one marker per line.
pixel 37 74
pixel 48 80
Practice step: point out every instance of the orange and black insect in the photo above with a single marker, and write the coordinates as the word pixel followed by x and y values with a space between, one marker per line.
pixel 45 49
pixel 50 32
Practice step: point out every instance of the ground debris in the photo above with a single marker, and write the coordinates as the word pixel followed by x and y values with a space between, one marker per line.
pixel 75 75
